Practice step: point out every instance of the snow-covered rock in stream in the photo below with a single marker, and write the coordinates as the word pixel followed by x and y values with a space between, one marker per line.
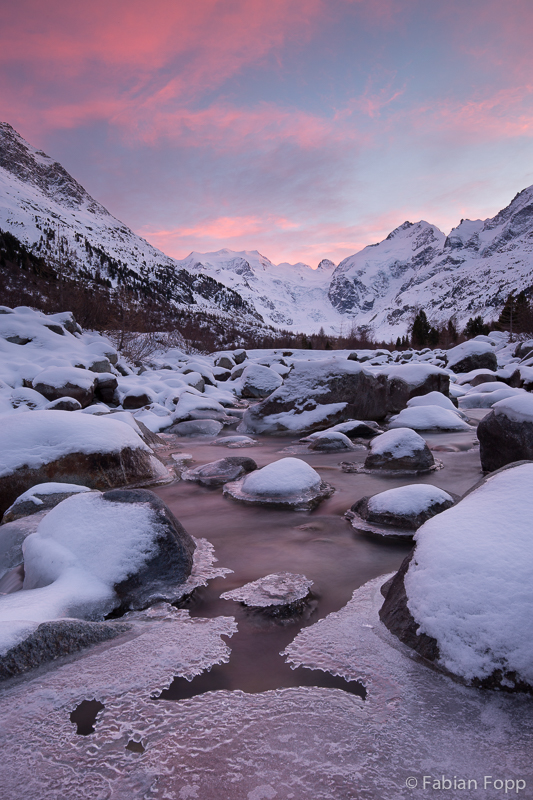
pixel 400 450
pixel 472 355
pixel 219 472
pixel 465 598
pixel 288 483
pixel 429 418
pixel 62 446
pixel 398 512
pixel 506 434
pixel 41 498
pixel 330 442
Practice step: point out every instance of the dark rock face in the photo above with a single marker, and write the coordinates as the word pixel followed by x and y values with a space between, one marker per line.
pixel 395 615
pixel 54 639
pixel 225 362
pixel 502 441
pixel 486 360
pixel 135 400
pixel 168 567
pixel 408 520
pixel 219 472
pixel 95 470
pixel 239 356
pixel 331 444
pixel 82 394
pixel 399 391
pixel 323 383
pixel 105 388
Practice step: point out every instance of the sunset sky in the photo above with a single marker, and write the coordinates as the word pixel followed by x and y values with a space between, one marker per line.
pixel 301 128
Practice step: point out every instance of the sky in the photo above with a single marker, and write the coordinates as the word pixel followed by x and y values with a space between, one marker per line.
pixel 305 129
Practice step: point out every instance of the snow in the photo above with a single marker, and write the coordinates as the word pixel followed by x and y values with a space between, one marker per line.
pixel 412 374
pixel 278 589
pixel 411 499
pixel 488 395
pixel 429 417
pixel 292 420
pixel 469 348
pixel 470 584
pixel 400 442
pixel 48 488
pixel 517 409
pixel 58 377
pixel 431 399
pixel 288 476
pixel 263 379
pixel 39 437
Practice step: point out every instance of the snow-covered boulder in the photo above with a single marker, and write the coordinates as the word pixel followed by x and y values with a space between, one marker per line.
pixel 486 395
pixel 405 381
pixel 56 382
pixel 465 598
pixel 41 498
pixel 331 442
pixel 235 442
pixel 506 434
pixel 280 594
pixel 431 399
pixel 287 483
pixel 197 427
pixel 64 404
pixel 353 429
pixel 61 446
pixel 94 553
pixel 472 355
pixel 399 450
pixel 258 381
pixel 398 512
pixel 318 394
pixel 429 418
pixel 219 472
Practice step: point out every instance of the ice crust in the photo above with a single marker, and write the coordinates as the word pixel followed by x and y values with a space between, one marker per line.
pixel 470 584
pixel 278 589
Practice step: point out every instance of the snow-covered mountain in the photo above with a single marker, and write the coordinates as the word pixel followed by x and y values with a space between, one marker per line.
pixel 469 272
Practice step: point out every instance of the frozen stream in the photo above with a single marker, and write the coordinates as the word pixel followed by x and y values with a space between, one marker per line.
pixel 255 730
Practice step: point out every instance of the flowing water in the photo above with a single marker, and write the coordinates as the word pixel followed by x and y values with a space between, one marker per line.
pixel 255 541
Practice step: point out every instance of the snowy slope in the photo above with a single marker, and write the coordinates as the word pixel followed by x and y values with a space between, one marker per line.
pixel 471 271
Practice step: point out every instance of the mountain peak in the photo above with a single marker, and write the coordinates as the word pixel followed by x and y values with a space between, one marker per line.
pixel 326 264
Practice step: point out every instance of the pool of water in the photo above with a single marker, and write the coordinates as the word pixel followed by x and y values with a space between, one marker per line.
pixel 255 541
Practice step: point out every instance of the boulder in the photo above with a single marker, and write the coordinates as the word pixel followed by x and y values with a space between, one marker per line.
pixel 506 434
pixel 398 512
pixel 258 381
pixel 287 483
pixel 472 355
pixel 318 394
pixel 56 382
pixel 429 418
pixel 219 472
pixel 405 381
pixel 239 356
pixel 399 450
pixel 225 361
pixel 197 427
pixel 59 446
pixel 64 404
pixel 105 388
pixel 136 398
pixel 41 498
pixel 331 442
pixel 464 598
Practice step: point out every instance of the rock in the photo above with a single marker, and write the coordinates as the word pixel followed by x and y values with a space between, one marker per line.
pixel 506 434
pixel 41 498
pixel 472 355
pixel 105 388
pixel 199 427
pixel 136 398
pixel 94 451
pixel 464 598
pixel 236 441
pixel 239 356
pixel 398 512
pixel 429 418
pixel 100 365
pixel 406 381
pixel 169 562
pixel 318 394
pixel 331 442
pixel 221 374
pixel 287 483
pixel 64 404
pixel 258 381
pixel 217 473
pixel 56 382
pixel 226 362
pixel 12 536
pixel 55 639
pixel 399 450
